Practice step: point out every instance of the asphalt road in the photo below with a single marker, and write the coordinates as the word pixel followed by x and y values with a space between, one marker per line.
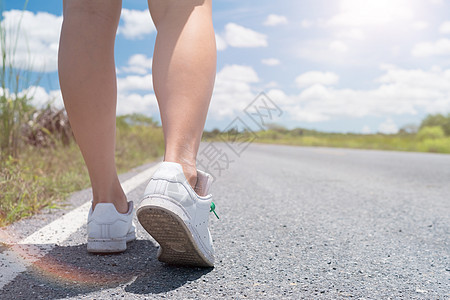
pixel 312 223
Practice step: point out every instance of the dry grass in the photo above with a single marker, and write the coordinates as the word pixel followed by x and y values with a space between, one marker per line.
pixel 44 176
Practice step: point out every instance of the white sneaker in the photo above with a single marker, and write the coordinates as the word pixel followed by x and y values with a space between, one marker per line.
pixel 177 217
pixel 108 230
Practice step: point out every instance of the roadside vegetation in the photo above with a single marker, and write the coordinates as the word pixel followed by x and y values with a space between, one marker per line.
pixel 432 135
pixel 40 163
pixel 45 170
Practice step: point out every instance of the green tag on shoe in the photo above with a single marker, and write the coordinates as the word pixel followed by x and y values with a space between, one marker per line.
pixel 213 207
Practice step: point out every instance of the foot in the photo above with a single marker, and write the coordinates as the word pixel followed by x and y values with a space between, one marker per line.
pixel 108 230
pixel 177 217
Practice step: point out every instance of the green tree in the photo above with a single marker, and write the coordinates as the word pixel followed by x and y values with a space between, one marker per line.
pixel 409 129
pixel 135 119
pixel 277 128
pixel 430 132
pixel 446 126
pixel 437 120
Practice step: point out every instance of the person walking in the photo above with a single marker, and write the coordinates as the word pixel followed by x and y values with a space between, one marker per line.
pixel 176 204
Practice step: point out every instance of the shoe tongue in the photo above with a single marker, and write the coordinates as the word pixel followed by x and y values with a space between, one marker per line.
pixel 204 181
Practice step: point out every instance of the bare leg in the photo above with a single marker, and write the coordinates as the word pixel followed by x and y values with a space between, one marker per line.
pixel 184 67
pixel 88 84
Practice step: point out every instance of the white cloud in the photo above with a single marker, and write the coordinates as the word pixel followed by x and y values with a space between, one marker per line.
pixel 128 101
pixel 314 77
pixel 306 24
pixel 324 51
pixel 135 103
pixel 366 130
pixel 271 85
pixel 37 47
pixel 138 64
pixel 134 92
pixel 135 83
pixel 271 61
pixel 136 24
pixel 387 67
pixel 338 46
pixel 238 73
pixel 40 98
pixel 352 33
pixel 274 20
pixel 388 127
pixel 221 44
pixel 420 25
pixel 400 92
pixel 232 90
pixel 417 87
pixel 425 49
pixel 445 27
pixel 300 114
pixel 280 97
pixel 242 37
pixel 358 13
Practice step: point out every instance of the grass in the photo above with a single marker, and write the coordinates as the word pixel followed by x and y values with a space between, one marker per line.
pixel 15 108
pixel 44 177
pixel 373 141
pixel 418 142
pixel 39 178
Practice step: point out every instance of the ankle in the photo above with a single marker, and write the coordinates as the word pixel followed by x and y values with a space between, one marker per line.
pixel 115 196
pixel 121 205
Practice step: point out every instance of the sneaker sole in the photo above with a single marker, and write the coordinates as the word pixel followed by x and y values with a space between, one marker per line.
pixel 109 245
pixel 177 245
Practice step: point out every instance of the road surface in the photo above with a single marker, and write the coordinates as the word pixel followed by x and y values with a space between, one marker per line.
pixel 295 222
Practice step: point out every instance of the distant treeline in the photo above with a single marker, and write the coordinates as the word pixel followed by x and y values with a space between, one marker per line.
pixel 439 124
pixel 431 135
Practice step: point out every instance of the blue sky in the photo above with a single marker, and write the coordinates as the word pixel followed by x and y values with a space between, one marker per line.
pixel 343 65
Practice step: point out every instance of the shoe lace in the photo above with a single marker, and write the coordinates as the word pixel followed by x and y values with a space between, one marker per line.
pixel 213 209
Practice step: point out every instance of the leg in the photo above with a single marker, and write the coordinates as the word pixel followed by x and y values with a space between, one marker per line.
pixel 184 67
pixel 88 85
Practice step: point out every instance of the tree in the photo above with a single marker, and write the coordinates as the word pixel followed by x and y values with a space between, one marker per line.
pixel 430 132
pixel 409 129
pixel 446 126
pixel 135 119
pixel 277 128
pixel 437 120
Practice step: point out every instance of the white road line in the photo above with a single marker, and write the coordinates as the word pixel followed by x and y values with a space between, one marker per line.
pixel 28 250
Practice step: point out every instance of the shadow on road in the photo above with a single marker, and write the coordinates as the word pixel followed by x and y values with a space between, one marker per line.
pixel 70 271
pixel 164 279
